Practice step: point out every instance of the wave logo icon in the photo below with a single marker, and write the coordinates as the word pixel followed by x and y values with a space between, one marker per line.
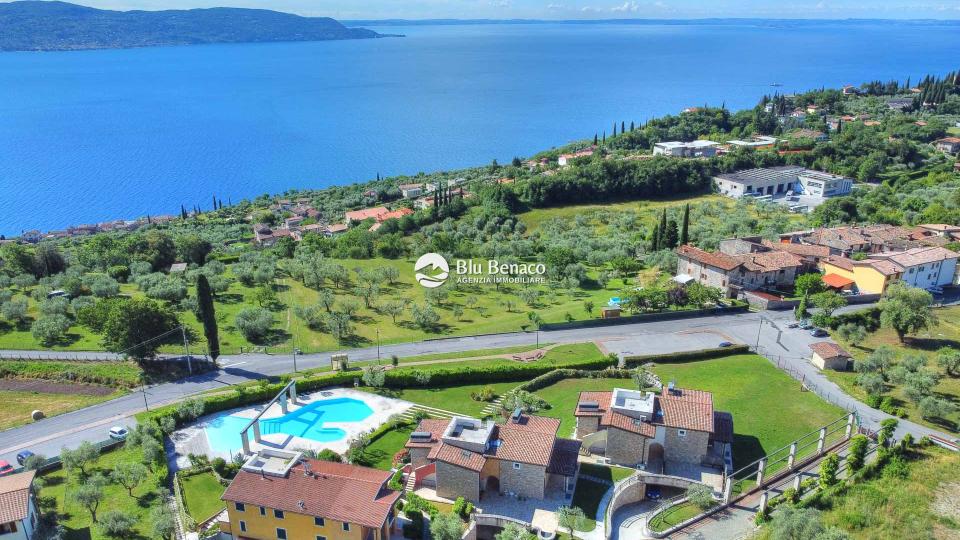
pixel 432 270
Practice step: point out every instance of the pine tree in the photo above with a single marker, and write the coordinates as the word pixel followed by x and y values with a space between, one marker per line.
pixel 206 312
pixel 685 226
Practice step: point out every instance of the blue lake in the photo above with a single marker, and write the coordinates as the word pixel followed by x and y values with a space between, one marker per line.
pixel 94 135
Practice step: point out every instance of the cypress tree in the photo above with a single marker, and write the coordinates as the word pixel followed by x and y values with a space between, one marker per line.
pixel 623 127
pixel 614 129
pixel 670 235
pixel 631 126
pixel 595 141
pixel 214 202
pixel 207 315
pixel 662 241
pixel 604 141
pixel 655 238
pixel 685 226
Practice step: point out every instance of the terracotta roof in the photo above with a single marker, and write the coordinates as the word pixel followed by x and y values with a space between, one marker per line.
pixel 15 496
pixel 461 458
pixel 768 261
pixel 523 444
pixel 366 213
pixel 433 426
pixel 722 427
pixel 840 262
pixel 336 491
pixel 954 140
pixel 918 256
pixel 564 458
pixel 717 260
pixel 885 267
pixel 687 409
pixel 803 250
pixel 826 349
pixel 627 423
pixel 396 214
pixel 602 399
pixel 837 282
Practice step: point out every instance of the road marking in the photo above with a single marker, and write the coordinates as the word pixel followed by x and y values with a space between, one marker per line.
pixel 235 364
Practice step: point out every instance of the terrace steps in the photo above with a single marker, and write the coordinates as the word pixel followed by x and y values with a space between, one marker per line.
pixel 493 406
pixel 411 484
pixel 432 411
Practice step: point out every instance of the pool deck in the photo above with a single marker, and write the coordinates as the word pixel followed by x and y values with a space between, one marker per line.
pixel 193 439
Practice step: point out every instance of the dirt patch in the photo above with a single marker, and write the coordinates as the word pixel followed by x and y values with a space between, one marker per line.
pixel 48 387
pixel 946 503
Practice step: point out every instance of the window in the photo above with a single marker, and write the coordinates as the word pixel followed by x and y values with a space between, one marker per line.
pixel 240 507
pixel 516 465
pixel 263 511
pixel 278 514
pixel 321 537
pixel 8 527
pixel 243 526
pixel 318 521
pixel 681 433
pixel 346 526
pixel 281 533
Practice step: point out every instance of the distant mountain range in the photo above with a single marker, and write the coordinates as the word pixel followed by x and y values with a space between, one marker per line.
pixel 59 26
pixel 653 22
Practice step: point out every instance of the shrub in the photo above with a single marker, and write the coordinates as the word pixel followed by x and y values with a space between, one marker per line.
pixel 414 529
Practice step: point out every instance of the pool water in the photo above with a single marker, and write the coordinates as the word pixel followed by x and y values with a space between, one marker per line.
pixel 307 422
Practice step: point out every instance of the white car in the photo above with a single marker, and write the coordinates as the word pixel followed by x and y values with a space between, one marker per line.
pixel 119 433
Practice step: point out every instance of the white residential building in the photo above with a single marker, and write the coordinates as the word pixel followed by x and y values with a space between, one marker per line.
pixel 698 148
pixel 760 141
pixel 776 181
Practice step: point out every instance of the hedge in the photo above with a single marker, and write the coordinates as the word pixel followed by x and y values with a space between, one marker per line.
pixel 406 377
pixel 686 356
pixel 558 375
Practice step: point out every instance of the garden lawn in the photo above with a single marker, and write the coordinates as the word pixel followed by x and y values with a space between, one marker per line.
pixel 563 396
pixel 613 473
pixel 16 407
pixel 451 398
pixel 770 410
pixel 926 343
pixel 60 485
pixel 379 454
pixel 201 493
pixel 587 496
pixel 674 515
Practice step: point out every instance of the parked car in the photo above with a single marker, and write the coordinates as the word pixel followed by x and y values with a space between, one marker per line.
pixel 935 290
pixel 806 325
pixel 119 433
pixel 5 468
pixel 819 332
pixel 793 325
pixel 653 493
pixel 726 344
pixel 23 456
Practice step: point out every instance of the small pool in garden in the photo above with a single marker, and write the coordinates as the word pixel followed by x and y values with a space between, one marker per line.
pixel 307 422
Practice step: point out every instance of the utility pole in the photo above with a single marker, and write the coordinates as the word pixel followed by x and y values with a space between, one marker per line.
pixel 143 388
pixel 759 327
pixel 186 348
pixel 378 345
pixel 295 351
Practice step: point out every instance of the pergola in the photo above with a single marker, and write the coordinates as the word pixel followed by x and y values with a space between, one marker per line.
pixel 289 392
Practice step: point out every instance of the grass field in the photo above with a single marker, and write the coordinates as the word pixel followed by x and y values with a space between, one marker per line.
pixel 769 408
pixel 16 407
pixel 201 493
pixel 947 333
pixel 534 219
pixel 674 515
pixel 59 487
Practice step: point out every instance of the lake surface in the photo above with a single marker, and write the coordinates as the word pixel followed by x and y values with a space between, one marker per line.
pixel 96 135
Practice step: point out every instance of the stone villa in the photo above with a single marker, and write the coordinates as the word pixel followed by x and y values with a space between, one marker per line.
pixel 674 430
pixel 466 457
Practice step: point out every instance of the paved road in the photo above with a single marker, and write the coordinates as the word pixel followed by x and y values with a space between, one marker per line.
pixel 768 330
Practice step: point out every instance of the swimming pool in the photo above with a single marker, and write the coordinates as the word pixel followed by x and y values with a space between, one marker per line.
pixel 223 433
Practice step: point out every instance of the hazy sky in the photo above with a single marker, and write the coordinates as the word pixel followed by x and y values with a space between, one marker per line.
pixel 572 9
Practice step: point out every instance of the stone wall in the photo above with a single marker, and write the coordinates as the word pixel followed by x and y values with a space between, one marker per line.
pixel 528 480
pixel 690 448
pixel 418 457
pixel 453 482
pixel 587 425
pixel 624 447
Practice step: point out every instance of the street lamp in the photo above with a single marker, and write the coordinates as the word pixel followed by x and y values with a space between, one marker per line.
pixel 378 345
pixel 296 351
